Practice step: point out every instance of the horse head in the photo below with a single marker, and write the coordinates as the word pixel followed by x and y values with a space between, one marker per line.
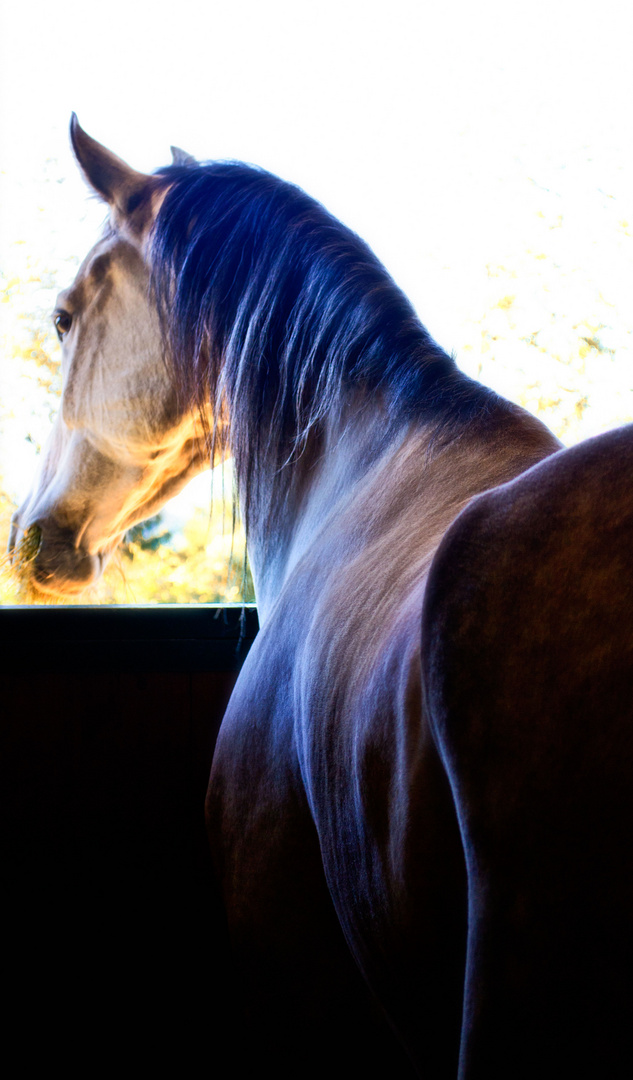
pixel 122 444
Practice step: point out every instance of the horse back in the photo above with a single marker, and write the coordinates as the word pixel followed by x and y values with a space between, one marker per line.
pixel 528 626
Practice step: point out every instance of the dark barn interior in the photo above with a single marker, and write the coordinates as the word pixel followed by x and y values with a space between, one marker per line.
pixel 114 952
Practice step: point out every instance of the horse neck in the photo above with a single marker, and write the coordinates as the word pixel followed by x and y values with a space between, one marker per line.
pixel 369 471
pixel 289 517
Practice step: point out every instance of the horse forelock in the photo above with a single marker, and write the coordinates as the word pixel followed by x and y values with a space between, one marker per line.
pixel 272 310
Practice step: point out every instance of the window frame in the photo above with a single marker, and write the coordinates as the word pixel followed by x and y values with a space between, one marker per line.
pixel 143 638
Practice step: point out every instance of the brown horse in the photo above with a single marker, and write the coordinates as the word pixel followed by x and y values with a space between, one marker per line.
pixel 225 311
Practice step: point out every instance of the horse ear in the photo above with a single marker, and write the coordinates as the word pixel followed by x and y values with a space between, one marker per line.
pixel 181 157
pixel 110 177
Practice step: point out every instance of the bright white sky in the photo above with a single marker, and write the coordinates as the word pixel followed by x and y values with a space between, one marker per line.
pixel 427 127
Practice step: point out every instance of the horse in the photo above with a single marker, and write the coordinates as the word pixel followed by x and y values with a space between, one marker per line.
pixel 224 311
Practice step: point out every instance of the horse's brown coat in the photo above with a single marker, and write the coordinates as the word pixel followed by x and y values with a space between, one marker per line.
pixel 528 668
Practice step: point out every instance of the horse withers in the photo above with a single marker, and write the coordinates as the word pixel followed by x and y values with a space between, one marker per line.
pixel 224 311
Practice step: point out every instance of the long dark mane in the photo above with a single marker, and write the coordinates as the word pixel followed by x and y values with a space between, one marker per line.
pixel 273 309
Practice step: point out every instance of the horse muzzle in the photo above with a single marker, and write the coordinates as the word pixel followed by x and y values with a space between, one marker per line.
pixel 49 559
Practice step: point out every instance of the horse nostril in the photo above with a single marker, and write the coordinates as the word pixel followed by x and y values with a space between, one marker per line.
pixel 31 542
pixel 28 549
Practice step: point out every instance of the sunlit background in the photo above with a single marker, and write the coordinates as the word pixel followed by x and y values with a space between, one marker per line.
pixel 485 151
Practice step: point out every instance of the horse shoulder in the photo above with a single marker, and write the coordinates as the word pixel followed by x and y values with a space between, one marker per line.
pixel 378 795
pixel 368 762
pixel 528 629
pixel 291 960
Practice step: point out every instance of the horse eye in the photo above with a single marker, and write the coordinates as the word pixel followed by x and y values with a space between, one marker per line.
pixel 63 322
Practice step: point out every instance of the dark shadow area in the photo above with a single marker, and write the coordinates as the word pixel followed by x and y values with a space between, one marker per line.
pixel 114 955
